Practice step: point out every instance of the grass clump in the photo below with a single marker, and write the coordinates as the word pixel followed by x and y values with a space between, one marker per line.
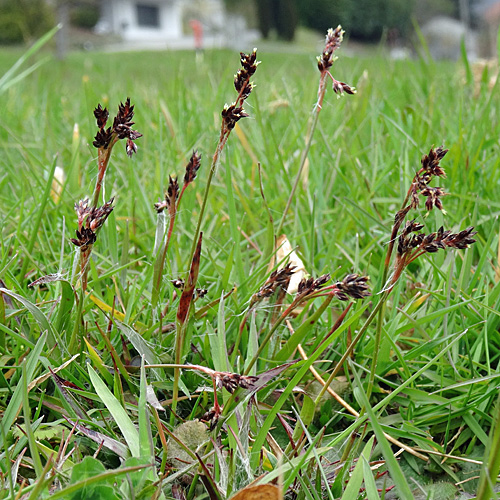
pixel 178 362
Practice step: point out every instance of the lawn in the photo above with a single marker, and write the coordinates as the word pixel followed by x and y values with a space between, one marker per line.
pixel 324 391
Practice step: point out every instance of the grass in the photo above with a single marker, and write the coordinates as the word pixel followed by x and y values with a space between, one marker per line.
pixel 75 382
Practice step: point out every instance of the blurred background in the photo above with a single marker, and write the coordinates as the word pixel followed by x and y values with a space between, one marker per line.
pixel 400 27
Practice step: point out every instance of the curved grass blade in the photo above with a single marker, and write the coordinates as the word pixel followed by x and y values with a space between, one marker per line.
pixel 117 412
pixel 111 444
pixel 105 476
pixel 16 400
pixel 9 78
pixel 392 464
pixel 40 318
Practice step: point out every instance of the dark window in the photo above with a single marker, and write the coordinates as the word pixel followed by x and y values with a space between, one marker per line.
pixel 148 16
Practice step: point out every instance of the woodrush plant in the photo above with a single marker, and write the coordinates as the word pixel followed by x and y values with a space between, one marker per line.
pixel 248 359
pixel 91 217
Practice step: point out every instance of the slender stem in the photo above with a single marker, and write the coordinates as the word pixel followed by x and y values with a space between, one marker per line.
pixel 491 461
pixel 224 135
pixel 352 345
pixel 179 335
pixel 103 156
pixel 160 258
pixel 263 344
pixel 380 320
pixel 75 335
pixel 376 349
pixel 283 316
pixel 305 152
pixel 181 328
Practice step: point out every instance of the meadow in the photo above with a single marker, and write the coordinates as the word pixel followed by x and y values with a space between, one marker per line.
pixel 221 376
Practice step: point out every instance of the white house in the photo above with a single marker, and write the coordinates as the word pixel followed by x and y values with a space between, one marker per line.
pixel 166 23
pixel 142 20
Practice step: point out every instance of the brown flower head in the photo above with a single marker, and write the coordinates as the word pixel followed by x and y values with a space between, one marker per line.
pixel 414 244
pixel 341 87
pixel 420 186
pixel 160 206
pixel 90 221
pixel 178 283
pixel 121 129
pixel 353 286
pixel 433 195
pixel 85 238
pixel 192 167
pixel 308 286
pixel 430 162
pixel 172 193
pixel 171 196
pixel 103 138
pixel 280 278
pixel 231 381
pixel 211 417
pixel 333 40
pixel 101 114
pixel 249 65
pixel 462 239
pixel 82 210
pixel 232 114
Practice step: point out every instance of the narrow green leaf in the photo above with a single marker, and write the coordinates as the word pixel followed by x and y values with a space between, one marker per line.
pixel 397 475
pixel 370 485
pixel 118 413
pixel 42 203
pixel 491 461
pixel 8 79
pixel 27 427
pixel 145 437
pixel 65 306
pixel 357 475
pixel 16 400
pixel 109 475
pixel 40 318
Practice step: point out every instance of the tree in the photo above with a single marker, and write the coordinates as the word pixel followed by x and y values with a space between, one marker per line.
pixel 24 20
pixel 278 14
pixel 363 19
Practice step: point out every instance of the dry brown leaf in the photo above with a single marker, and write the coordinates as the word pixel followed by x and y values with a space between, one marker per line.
pixel 260 492
pixel 286 254
pixel 57 184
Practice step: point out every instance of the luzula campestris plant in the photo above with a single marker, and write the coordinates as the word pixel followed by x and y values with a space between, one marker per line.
pixel 231 114
pixel 91 217
pixel 333 40
pixel 173 197
pixel 411 243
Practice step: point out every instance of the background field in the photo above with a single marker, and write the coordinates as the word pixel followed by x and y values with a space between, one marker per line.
pixel 440 329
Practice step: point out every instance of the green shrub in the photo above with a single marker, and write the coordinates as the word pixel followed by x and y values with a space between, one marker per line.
pixel 22 20
pixel 366 19
pixel 85 16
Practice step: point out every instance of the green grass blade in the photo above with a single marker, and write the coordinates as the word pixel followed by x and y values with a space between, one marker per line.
pixel 397 475
pixel 117 411
pixel 491 461
pixel 109 475
pixel 43 202
pixel 357 475
pixel 16 401
pixel 8 78
pixel 145 437
pixel 35 456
